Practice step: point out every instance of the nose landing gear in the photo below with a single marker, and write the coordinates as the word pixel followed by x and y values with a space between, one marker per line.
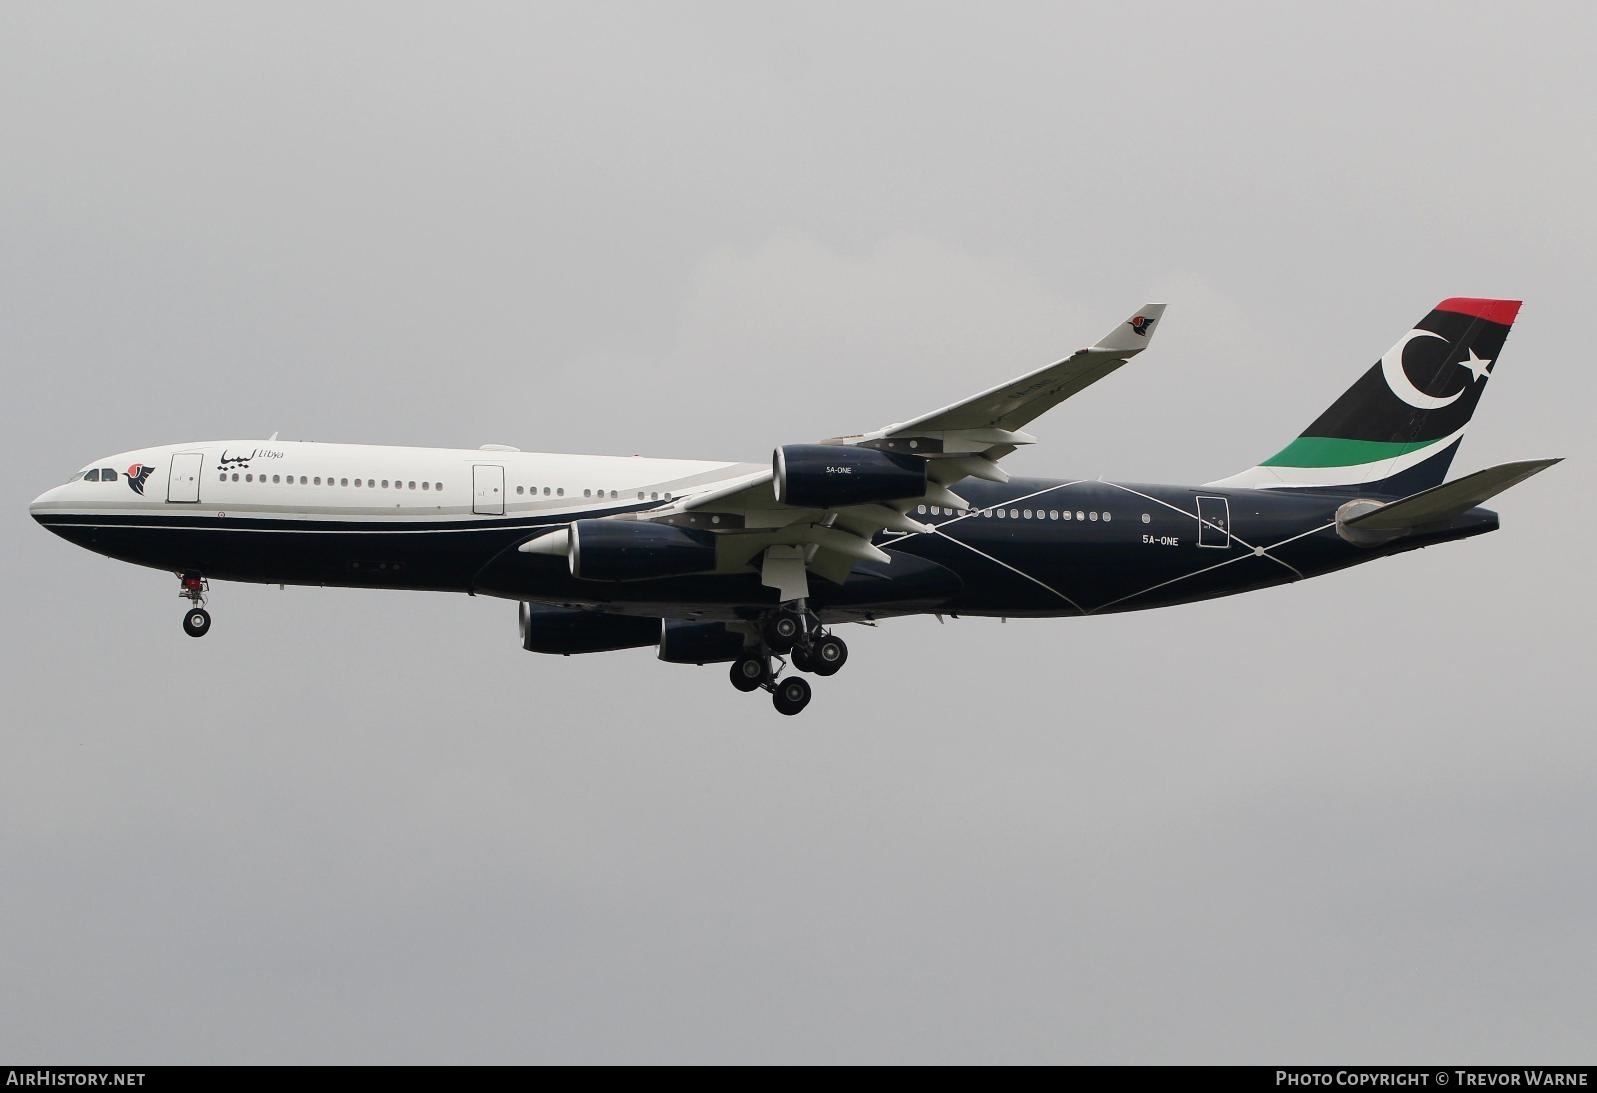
pixel 196 620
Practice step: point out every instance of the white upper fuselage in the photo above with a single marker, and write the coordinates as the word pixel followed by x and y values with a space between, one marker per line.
pixel 311 481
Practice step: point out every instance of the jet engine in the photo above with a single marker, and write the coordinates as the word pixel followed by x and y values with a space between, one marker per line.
pixel 631 550
pixel 824 476
pixel 700 642
pixel 565 630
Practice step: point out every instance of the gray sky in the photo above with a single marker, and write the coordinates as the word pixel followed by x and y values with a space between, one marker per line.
pixel 1346 820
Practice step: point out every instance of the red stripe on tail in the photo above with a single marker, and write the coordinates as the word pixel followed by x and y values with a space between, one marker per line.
pixel 1493 311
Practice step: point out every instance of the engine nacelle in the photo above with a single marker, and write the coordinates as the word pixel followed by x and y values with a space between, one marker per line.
pixel 565 631
pixel 824 476
pixel 700 642
pixel 632 550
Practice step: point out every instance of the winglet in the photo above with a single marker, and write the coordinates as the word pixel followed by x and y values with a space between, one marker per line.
pixel 1133 335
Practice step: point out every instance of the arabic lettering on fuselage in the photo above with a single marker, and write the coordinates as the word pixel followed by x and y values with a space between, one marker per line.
pixel 244 460
pixel 236 460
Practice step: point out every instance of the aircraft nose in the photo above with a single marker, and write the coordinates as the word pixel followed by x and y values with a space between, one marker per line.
pixel 43 503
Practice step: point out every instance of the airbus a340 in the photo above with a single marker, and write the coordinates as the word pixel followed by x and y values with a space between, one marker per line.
pixel 755 564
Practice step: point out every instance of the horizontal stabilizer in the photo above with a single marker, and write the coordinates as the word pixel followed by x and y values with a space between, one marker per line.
pixel 1449 499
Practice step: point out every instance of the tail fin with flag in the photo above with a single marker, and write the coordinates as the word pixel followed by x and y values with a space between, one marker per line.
pixel 1395 431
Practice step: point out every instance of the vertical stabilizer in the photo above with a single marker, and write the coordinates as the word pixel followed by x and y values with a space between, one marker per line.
pixel 1395 431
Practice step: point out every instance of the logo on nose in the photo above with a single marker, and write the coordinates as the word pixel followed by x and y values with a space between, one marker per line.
pixel 137 475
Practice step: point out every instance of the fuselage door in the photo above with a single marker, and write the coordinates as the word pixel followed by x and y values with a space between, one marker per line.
pixel 488 490
pixel 1214 522
pixel 183 484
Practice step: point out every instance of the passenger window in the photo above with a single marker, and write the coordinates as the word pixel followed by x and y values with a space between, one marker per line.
pixel 614 495
pixel 438 485
pixel 1053 514
pixel 587 493
pixel 412 485
pixel 1106 517
pixel 222 477
pixel 370 484
pixel 561 491
pixel 318 480
pixel 1027 514
pixel 1014 514
pixel 1146 519
pixel 235 476
pixel 1080 515
pixel 343 481
pixel 1065 515
pixel 1092 516
pixel 520 490
pixel 302 480
pixel 276 480
pixel 426 485
pixel 546 491
pixel 654 497
pixel 249 478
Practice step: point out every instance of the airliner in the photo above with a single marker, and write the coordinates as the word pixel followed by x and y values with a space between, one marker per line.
pixel 755 565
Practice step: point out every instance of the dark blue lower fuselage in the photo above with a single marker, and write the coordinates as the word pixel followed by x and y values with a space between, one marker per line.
pixel 1032 547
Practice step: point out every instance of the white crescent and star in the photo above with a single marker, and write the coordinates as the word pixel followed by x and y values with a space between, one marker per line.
pixel 1403 387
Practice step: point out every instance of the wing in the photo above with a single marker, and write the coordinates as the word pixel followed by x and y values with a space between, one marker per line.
pixel 1009 406
pixel 963 440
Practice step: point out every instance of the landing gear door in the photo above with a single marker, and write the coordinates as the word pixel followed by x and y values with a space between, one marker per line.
pixel 1214 522
pixel 488 491
pixel 183 484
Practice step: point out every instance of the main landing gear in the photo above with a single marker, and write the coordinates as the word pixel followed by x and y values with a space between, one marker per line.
pixel 196 620
pixel 798 635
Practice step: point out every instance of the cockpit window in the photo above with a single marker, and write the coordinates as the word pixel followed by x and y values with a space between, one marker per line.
pixel 107 474
pixel 92 476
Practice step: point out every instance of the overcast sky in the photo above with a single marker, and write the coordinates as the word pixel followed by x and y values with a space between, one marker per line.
pixel 1345 820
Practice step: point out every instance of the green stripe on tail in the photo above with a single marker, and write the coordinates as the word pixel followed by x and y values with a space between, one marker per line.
pixel 1327 451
